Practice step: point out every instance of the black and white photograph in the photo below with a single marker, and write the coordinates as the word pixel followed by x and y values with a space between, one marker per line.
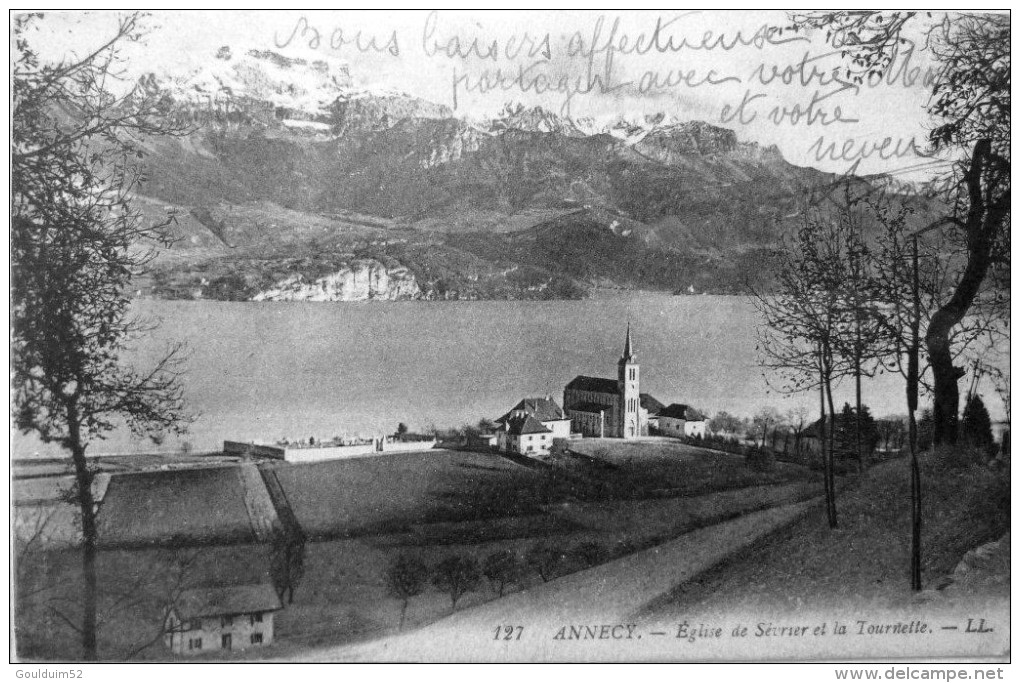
pixel 517 336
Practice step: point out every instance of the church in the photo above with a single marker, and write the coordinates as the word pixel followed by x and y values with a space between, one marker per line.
pixel 603 407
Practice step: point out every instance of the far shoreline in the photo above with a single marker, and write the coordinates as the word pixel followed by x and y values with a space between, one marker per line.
pixel 596 294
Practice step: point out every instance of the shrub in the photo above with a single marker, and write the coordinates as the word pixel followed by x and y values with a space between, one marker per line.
pixel 760 458
pixel 405 579
pixel 624 547
pixel 545 560
pixel 589 554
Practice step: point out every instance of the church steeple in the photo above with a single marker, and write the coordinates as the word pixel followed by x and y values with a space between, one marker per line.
pixel 629 382
pixel 628 349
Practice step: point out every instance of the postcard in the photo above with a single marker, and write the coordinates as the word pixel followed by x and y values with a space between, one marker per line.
pixel 516 336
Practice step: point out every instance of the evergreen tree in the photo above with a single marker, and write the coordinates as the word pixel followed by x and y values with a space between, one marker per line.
pixel 846 432
pixel 925 429
pixel 977 424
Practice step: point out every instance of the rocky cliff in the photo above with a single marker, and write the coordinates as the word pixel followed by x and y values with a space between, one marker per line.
pixel 363 280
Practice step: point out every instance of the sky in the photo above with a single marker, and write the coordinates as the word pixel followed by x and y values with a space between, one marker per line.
pixel 598 65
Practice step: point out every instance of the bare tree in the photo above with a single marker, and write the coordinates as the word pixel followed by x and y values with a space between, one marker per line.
pixel 31 531
pixel 801 321
pixel 970 103
pixel 797 418
pixel 173 571
pixel 766 419
pixel 724 423
pixel 862 342
pixel 76 243
pixel 915 270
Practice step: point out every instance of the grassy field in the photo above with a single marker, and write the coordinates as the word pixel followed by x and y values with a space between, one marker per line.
pixel 342 596
pixel 864 563
pixel 348 497
pixel 393 492
pixel 428 505
pixel 665 467
pixel 176 507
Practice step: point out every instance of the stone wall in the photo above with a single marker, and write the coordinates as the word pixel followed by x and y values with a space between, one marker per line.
pixel 318 453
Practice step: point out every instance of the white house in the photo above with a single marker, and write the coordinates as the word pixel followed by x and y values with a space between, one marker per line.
pixel 545 410
pixel 681 420
pixel 221 618
pixel 525 435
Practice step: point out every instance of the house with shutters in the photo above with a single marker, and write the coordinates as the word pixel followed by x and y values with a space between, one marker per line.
pixel 525 435
pixel 545 410
pixel 221 618
pixel 530 427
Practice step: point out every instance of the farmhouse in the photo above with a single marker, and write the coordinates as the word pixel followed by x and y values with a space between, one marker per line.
pixel 221 618
pixel 603 407
pixel 678 419
pixel 525 435
pixel 546 411
pixel 515 434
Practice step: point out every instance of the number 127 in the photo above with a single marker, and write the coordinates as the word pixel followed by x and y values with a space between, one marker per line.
pixel 508 633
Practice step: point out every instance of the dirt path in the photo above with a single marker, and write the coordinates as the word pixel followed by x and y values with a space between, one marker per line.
pixel 610 594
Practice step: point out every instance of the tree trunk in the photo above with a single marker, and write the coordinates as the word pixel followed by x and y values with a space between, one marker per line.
pixel 829 465
pixel 90 535
pixel 821 427
pixel 403 613
pixel 830 493
pixel 913 389
pixel 946 403
pixel 981 227
pixel 915 509
pixel 857 422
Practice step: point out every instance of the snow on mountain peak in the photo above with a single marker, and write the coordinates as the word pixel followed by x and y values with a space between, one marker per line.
pixel 286 82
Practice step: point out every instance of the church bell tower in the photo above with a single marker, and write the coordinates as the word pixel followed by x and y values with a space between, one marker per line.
pixel 629 383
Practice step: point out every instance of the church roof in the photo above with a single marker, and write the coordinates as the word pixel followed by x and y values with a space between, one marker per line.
pixel 601 385
pixel 542 409
pixel 590 407
pixel 680 411
pixel 651 404
pixel 525 425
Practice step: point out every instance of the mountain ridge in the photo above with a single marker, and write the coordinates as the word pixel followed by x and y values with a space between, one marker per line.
pixel 292 174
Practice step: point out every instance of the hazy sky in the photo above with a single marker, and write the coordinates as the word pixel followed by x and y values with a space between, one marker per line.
pixel 591 64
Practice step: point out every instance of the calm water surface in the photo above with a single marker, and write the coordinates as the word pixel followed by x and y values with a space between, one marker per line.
pixel 262 371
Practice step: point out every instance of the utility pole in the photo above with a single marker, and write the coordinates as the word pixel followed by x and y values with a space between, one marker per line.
pixel 913 379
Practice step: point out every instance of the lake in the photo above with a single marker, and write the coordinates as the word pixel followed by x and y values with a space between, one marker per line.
pixel 267 370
